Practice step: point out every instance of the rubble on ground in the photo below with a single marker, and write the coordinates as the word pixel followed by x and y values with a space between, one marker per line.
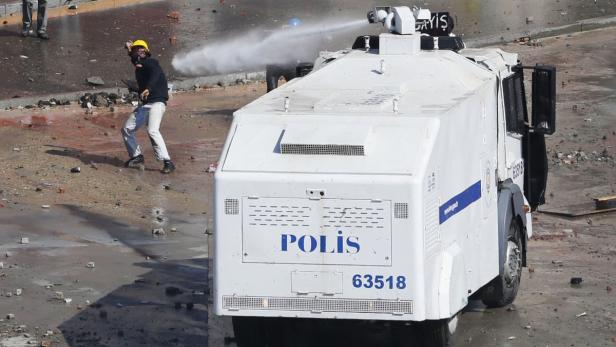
pixel 579 156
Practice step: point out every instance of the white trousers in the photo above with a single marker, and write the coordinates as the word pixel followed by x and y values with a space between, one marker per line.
pixel 151 115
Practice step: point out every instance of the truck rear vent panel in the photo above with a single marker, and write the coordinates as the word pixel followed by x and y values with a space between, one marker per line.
pixel 401 210
pixel 317 304
pixel 278 215
pixel 333 216
pixel 312 149
pixel 232 206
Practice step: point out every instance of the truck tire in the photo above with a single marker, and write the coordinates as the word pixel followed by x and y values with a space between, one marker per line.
pixel 502 290
pixel 248 332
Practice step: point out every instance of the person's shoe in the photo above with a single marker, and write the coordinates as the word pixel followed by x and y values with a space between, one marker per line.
pixel 135 162
pixel 42 35
pixel 168 167
pixel 26 32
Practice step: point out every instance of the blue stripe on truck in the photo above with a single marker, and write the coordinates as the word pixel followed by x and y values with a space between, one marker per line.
pixel 459 202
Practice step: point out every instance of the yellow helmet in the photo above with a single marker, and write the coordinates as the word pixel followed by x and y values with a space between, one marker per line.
pixel 140 43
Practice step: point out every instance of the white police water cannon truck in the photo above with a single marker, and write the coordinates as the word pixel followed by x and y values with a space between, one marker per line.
pixel 390 184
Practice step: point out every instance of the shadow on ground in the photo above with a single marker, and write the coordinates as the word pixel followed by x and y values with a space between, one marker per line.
pixel 166 306
pixel 85 158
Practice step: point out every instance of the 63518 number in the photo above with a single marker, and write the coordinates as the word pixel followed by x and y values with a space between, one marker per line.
pixel 379 281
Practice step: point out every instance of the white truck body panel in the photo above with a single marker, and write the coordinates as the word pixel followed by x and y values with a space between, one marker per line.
pixel 408 192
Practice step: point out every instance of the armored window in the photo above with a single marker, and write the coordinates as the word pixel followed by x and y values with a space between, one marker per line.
pixel 515 102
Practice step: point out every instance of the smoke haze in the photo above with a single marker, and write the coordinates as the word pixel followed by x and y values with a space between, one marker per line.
pixel 253 50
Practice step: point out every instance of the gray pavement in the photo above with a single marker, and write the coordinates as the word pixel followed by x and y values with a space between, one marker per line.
pixel 90 44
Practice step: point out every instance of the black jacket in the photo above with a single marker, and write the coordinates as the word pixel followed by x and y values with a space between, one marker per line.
pixel 151 76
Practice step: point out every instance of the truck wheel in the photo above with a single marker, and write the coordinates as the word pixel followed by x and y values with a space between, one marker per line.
pixel 502 290
pixel 248 332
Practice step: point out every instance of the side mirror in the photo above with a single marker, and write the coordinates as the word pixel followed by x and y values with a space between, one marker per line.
pixel 544 99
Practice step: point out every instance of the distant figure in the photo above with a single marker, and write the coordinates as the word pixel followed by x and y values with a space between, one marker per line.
pixel 41 19
pixel 153 92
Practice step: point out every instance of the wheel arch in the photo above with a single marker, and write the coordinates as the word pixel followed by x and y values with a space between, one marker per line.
pixel 510 209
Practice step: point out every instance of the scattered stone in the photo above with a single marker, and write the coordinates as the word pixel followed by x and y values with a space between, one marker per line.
pixel 166 187
pixel 528 327
pixel 173 230
pixel 158 231
pixel 173 291
pixel 581 315
pixel 511 338
pixel 174 15
pixel 47 343
pixel 24 241
pixel 76 169
pixel 576 281
pixel 18 292
pixel 90 265
pixel 68 300
pixel 212 168
pixel 530 19
pixel 45 206
pixel 10 316
pixel 2 265
pixel 95 81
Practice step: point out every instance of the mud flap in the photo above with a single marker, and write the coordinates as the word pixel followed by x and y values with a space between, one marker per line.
pixel 452 285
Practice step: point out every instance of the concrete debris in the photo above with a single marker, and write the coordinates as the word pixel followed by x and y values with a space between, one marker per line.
pixel 24 241
pixel 90 265
pixel 212 168
pixel 10 316
pixel 104 99
pixel 18 292
pixel 158 231
pixel 174 15
pixel 45 206
pixel 511 338
pixel 581 315
pixel 528 327
pixel 95 81
pixel 23 56
pixel 68 300
pixel 59 295
pixel 173 230
pixel 1 265
pixel 530 19
pixel 76 169
pixel 579 156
